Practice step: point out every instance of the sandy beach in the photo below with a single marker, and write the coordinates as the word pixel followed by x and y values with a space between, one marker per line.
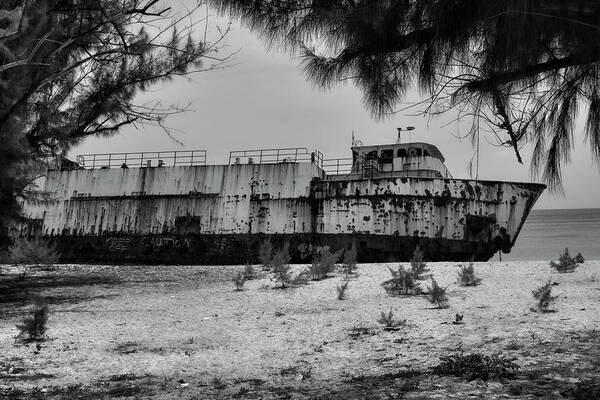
pixel 183 331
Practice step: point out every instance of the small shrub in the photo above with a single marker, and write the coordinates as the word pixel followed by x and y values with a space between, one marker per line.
pixel 349 265
pixel 34 327
pixel 127 347
pixel 437 294
pixel 402 283
pixel 249 272
pixel 122 377
pixel 217 383
pixel 466 275
pixel 265 254
pixel 324 264
pixel 241 393
pixel 584 389
pixel 389 322
pixel 280 267
pixel 341 290
pixel 476 365
pixel 566 263
pixel 408 385
pixel 239 279
pixel 417 266
pixel 34 251
pixel 301 279
pixel 543 296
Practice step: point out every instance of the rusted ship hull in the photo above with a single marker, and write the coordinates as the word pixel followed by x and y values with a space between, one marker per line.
pixel 220 214
pixel 243 248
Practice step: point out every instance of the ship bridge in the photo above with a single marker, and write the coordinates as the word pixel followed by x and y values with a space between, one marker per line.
pixel 415 159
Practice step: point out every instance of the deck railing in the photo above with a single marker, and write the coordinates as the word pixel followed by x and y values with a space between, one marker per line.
pixel 143 159
pixel 275 156
pixel 338 166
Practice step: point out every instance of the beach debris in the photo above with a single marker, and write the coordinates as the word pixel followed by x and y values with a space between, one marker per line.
pixel 458 319
pixel 304 374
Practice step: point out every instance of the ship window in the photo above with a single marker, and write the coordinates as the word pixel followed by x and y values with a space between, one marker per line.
pixel 426 153
pixel 401 152
pixel 415 152
pixel 386 156
pixel 372 155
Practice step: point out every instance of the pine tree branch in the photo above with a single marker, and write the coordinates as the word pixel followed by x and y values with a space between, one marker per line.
pixel 498 79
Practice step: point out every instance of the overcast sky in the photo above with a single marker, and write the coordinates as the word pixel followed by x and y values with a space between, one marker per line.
pixel 262 100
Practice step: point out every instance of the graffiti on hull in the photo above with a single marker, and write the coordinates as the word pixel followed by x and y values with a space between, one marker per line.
pixel 166 242
pixel 118 244
pixel 122 244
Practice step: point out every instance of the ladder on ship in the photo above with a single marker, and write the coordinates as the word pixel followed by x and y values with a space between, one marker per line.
pixel 370 168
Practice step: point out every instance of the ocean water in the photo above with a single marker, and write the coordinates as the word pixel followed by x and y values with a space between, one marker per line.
pixel 546 233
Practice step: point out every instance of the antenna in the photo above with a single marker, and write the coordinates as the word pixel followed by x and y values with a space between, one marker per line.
pixel 356 143
pixel 408 128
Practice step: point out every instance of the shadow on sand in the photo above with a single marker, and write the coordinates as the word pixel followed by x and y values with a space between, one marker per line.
pixel 22 290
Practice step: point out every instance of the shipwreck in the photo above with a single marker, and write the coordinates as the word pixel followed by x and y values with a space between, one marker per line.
pixel 171 207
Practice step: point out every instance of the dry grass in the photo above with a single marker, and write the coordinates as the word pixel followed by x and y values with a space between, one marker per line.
pixel 135 323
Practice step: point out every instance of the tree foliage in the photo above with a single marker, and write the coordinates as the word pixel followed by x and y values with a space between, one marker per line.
pixel 33 251
pixel 70 69
pixel 519 69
